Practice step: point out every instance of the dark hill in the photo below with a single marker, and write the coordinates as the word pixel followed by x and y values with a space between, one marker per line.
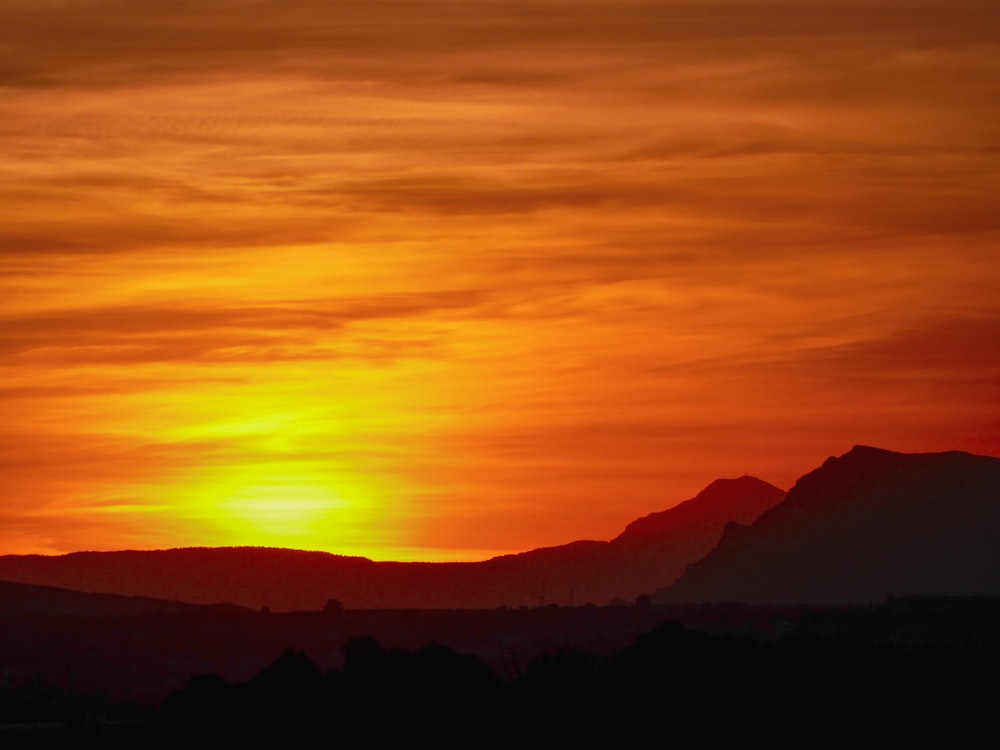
pixel 650 553
pixel 28 600
pixel 865 525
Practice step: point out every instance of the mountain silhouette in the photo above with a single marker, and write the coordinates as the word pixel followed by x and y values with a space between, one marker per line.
pixel 866 525
pixel 650 553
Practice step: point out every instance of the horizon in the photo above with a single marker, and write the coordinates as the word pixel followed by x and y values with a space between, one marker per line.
pixel 421 282
pixel 409 559
pixel 501 554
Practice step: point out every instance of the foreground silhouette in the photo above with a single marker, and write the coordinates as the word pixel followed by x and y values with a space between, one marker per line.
pixel 910 669
pixel 671 680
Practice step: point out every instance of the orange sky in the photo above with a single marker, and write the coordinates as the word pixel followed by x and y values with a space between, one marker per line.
pixel 439 280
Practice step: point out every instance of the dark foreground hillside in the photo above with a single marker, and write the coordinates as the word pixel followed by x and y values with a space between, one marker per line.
pixel 909 668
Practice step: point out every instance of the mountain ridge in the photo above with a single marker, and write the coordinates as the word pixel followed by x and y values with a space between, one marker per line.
pixel 864 525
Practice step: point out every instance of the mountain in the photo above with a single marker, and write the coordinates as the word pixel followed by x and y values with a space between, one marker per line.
pixel 650 553
pixel 869 524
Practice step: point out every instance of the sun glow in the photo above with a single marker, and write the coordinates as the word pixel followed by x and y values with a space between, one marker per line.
pixel 280 505
pixel 286 504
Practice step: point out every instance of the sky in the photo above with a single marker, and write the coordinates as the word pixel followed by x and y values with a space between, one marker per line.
pixel 443 280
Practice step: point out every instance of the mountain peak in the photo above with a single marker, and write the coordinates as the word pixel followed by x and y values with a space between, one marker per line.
pixel 862 454
pixel 872 453
pixel 724 500
pixel 729 487
pixel 869 450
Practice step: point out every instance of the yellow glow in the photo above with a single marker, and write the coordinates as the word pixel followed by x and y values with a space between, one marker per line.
pixel 270 504
pixel 284 504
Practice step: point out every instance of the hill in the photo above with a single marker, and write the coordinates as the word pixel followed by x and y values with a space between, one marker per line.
pixel 28 600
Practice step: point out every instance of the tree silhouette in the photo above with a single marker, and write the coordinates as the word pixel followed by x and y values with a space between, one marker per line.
pixel 333 606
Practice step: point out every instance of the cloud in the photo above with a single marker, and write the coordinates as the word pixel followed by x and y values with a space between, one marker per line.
pixel 111 42
pixel 306 330
pixel 948 353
